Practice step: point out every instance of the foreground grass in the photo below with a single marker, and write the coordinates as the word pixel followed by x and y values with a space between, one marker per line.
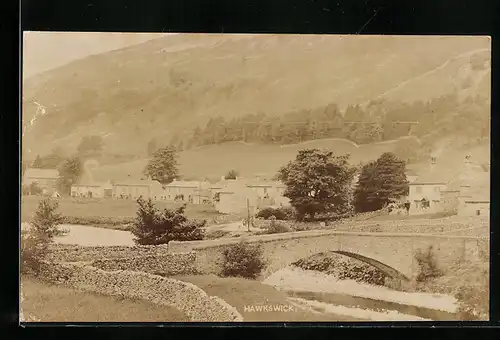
pixel 107 213
pixel 54 303
pixel 240 292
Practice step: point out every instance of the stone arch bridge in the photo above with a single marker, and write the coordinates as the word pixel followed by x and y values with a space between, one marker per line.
pixel 393 253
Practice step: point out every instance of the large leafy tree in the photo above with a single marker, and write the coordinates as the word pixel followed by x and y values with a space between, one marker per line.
pixel 163 166
pixel 317 182
pixel 380 181
pixel 153 226
pixel 70 172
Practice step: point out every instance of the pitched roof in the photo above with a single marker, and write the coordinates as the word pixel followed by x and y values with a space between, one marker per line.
pixel 132 182
pixel 188 184
pixel 42 173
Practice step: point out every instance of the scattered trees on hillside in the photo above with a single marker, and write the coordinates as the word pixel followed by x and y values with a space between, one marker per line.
pixel 163 166
pixel 379 181
pixel 231 174
pixel 90 146
pixel 317 182
pixel 70 172
pixel 153 227
pixel 50 161
pixel 379 120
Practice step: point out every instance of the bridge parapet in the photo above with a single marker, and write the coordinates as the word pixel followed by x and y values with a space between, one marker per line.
pixel 395 251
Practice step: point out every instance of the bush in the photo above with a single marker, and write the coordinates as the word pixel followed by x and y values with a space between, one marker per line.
pixel 216 234
pixel 427 263
pixel 153 227
pixel 243 260
pixel 276 227
pixel 35 241
pixel 281 214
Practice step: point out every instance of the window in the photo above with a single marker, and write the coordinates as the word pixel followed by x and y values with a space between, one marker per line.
pixel 419 190
pixel 478 212
pixel 437 189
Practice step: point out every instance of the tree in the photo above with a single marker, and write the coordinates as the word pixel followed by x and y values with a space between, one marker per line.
pixel 317 182
pixel 163 166
pixel 35 240
pixel 380 181
pixel 153 227
pixel 37 163
pixel 231 174
pixel 152 146
pixel 90 145
pixel 70 172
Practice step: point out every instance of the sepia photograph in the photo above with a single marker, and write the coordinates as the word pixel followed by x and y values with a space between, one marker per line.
pixel 182 177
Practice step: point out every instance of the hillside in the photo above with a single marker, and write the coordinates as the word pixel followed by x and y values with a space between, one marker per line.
pixel 252 159
pixel 174 83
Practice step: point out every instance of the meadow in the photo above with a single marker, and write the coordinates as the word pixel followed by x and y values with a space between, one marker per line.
pixel 54 303
pixel 111 213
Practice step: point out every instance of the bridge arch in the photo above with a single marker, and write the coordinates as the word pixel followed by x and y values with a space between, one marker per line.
pixel 275 265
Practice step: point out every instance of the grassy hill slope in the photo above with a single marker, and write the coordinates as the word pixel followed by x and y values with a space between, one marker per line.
pixel 215 160
pixel 171 84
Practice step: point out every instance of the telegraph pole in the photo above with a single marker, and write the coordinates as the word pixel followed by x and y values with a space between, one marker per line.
pixel 248 211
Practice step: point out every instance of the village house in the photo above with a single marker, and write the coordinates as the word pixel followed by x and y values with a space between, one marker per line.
pixel 269 193
pixel 133 189
pixel 235 198
pixel 45 179
pixel 444 189
pixel 230 196
pixel 92 190
pixel 196 192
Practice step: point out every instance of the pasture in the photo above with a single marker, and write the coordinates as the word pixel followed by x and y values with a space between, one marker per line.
pixel 106 212
pixel 54 303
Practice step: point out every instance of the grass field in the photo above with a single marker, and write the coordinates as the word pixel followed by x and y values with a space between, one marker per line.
pixel 240 292
pixel 53 303
pixel 106 212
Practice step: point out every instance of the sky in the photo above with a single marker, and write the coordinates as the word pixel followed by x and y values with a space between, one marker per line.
pixel 43 51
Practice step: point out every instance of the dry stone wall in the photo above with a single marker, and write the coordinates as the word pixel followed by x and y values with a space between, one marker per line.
pixel 168 264
pixel 73 253
pixel 185 297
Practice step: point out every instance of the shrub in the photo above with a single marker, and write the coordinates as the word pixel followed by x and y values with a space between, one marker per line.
pixel 427 263
pixel 216 234
pixel 276 227
pixel 153 227
pixel 242 260
pixel 35 241
pixel 281 214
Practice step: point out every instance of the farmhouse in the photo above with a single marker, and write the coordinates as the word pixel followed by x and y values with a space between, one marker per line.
pixel 92 189
pixel 133 189
pixel 195 192
pixel 443 190
pixel 44 178
pixel 230 196
pixel 235 198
